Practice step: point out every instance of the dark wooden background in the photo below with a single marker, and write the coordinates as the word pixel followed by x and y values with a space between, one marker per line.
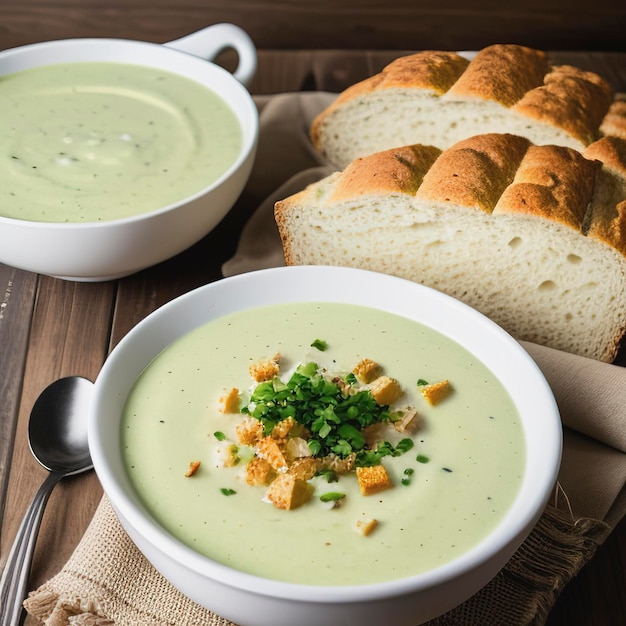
pixel 338 24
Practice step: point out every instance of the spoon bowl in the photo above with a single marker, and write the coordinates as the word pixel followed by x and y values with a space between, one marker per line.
pixel 57 430
pixel 57 434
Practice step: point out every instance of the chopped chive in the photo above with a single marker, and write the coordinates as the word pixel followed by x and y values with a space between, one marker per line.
pixel 332 496
pixel 421 382
pixel 422 458
pixel 320 344
pixel 227 492
pixel 219 435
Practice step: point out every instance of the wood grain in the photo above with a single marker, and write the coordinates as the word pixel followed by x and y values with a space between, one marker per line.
pixel 69 334
pixel 17 293
pixel 328 24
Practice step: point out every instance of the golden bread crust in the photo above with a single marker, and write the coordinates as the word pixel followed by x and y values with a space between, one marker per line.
pixel 553 182
pixel 497 173
pixel 607 220
pixel 474 172
pixel 614 122
pixel 578 103
pixel 400 170
pixel 503 73
pixel 571 99
pixel 432 70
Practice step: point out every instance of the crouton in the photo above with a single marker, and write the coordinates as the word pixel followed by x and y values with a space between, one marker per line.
pixel 259 472
pixel 264 370
pixel 249 431
pixel 304 468
pixel 288 492
pixel 372 479
pixel 365 526
pixel 385 390
pixel 409 422
pixel 229 402
pixel 194 466
pixel 270 450
pixel 367 370
pixel 436 392
pixel 283 428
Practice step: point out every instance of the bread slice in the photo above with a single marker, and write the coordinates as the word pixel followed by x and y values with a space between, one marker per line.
pixel 532 236
pixel 439 98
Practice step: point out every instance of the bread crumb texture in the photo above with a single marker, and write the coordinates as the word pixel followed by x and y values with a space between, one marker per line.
pixel 533 236
pixel 436 98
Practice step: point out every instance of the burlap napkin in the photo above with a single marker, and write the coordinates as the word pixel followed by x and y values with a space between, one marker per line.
pixel 107 581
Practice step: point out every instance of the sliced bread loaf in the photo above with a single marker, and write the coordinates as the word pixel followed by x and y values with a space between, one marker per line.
pixel 438 98
pixel 532 236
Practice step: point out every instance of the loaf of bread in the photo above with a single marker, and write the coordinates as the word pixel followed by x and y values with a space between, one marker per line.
pixel 438 98
pixel 532 236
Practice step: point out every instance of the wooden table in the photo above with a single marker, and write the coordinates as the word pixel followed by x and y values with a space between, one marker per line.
pixel 51 328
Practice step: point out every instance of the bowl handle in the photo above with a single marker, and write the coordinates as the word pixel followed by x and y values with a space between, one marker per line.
pixel 210 41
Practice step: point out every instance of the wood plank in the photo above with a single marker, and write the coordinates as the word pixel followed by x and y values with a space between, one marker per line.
pixel 350 24
pixel 17 296
pixel 69 335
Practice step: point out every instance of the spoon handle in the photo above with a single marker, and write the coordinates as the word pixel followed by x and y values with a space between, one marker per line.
pixel 13 586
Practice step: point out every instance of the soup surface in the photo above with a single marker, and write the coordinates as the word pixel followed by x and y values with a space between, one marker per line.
pixel 93 141
pixel 449 489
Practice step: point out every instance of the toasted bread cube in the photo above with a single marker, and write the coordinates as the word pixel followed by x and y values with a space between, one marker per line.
pixel 367 370
pixel 249 431
pixel 269 449
pixel 385 390
pixel 194 466
pixel 373 479
pixel 259 472
pixel 283 428
pixel 265 369
pixel 229 402
pixel 289 492
pixel 436 392
pixel 409 422
pixel 365 526
pixel 304 468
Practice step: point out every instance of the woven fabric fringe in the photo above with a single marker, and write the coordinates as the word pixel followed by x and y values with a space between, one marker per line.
pixel 107 582
pixel 525 590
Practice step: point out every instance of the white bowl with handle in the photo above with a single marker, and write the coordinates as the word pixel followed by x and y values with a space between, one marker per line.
pixel 102 250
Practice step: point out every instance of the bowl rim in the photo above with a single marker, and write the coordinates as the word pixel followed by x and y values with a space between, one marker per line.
pixel 513 527
pixel 248 118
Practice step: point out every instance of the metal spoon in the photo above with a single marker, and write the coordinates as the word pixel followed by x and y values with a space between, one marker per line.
pixel 57 434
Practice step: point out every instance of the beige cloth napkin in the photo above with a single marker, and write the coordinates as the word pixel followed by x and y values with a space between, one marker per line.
pixel 107 581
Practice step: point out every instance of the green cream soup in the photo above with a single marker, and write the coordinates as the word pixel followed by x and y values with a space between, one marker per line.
pixel 94 141
pixel 450 487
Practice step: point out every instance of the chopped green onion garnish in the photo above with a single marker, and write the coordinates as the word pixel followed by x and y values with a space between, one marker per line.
pixel 320 344
pixel 228 492
pixel 332 496
pixel 422 458
pixel 219 435
pixel 421 382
